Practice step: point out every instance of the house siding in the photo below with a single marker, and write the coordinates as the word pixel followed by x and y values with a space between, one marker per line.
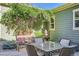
pixel 64 26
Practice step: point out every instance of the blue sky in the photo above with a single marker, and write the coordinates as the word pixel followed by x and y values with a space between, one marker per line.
pixel 46 6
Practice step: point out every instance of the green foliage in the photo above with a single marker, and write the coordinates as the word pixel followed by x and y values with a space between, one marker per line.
pixel 21 17
pixel 54 36
pixel 39 34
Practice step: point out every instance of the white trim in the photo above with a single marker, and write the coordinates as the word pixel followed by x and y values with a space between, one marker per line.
pixel 74 28
pixel 54 24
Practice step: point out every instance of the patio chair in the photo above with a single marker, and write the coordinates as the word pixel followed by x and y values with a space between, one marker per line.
pixel 31 51
pixel 64 42
pixel 39 41
pixel 67 51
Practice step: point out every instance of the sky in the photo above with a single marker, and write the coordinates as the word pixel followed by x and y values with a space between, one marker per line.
pixel 46 6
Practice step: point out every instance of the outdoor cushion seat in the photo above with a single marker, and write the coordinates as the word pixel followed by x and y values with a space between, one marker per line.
pixel 64 42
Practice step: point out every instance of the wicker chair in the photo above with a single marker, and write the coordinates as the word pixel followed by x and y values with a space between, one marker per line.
pixel 31 50
pixel 67 51
pixel 65 42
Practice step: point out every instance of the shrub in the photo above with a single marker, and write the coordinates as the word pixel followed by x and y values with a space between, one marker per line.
pixel 38 34
pixel 54 36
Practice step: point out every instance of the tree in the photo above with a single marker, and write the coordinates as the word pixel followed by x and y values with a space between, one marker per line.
pixel 15 17
pixel 21 17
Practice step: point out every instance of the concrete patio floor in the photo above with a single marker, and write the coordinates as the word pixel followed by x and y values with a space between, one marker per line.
pixel 13 52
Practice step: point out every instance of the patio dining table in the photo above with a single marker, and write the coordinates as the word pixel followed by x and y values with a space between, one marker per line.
pixel 47 47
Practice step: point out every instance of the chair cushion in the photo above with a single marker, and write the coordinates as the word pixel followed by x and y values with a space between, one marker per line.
pixel 64 42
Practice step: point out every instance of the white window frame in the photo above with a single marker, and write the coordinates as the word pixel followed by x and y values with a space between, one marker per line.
pixel 54 24
pixel 75 28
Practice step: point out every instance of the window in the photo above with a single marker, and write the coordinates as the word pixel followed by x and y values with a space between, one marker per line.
pixel 52 23
pixel 76 19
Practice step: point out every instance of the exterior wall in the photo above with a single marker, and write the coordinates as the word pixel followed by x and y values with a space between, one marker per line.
pixel 64 26
pixel 3 29
pixel 5 35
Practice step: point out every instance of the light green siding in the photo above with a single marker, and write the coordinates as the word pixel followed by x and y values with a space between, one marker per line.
pixel 64 26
